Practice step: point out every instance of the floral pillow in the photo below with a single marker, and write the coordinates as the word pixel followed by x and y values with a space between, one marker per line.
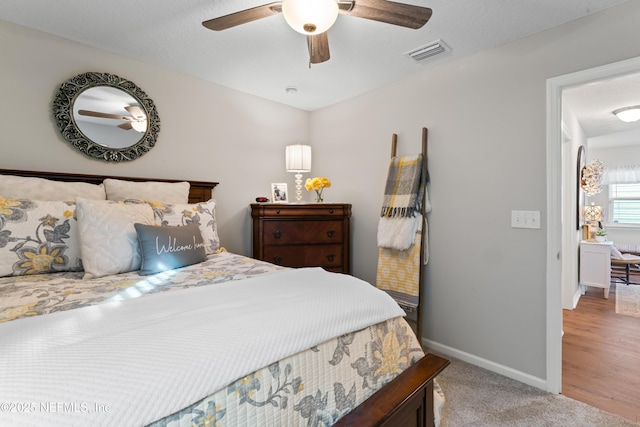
pixel 38 237
pixel 203 214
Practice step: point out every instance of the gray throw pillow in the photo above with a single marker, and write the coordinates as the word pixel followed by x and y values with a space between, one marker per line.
pixel 168 247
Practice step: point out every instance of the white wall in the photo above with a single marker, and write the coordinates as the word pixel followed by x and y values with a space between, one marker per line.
pixel 573 139
pixel 485 285
pixel 208 132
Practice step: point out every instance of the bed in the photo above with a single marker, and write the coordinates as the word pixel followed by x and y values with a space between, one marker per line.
pixel 224 340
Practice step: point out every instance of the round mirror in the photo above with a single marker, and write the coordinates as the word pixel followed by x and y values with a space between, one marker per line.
pixel 110 117
pixel 106 117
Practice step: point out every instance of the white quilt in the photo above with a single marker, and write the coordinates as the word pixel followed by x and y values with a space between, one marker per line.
pixel 135 361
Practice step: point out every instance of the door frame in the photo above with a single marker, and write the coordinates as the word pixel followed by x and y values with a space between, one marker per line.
pixel 556 230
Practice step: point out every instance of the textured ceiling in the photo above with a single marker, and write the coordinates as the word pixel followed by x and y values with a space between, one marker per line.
pixel 594 103
pixel 266 56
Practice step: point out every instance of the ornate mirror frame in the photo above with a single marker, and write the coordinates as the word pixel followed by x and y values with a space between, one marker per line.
pixel 65 120
pixel 579 195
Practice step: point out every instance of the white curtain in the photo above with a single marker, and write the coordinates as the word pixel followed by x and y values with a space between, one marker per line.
pixel 621 175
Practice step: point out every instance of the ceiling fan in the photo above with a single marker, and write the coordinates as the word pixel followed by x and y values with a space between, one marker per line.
pixel 136 121
pixel 314 17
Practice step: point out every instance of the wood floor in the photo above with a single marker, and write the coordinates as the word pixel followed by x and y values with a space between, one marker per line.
pixel 601 355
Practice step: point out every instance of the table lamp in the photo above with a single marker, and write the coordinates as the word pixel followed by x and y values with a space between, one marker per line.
pixel 592 215
pixel 298 160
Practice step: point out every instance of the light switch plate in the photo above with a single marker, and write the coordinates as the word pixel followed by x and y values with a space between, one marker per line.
pixel 525 219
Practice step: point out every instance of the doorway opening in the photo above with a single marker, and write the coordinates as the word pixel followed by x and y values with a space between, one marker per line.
pixel 562 239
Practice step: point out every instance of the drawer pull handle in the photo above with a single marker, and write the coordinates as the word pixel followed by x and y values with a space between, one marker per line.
pixel 331 233
pixel 278 211
pixel 331 257
pixel 330 211
pixel 277 234
pixel 277 259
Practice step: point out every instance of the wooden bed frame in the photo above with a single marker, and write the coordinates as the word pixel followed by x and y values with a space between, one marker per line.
pixel 406 401
pixel 200 191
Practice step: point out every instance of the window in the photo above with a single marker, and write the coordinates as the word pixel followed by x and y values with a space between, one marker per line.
pixel 624 203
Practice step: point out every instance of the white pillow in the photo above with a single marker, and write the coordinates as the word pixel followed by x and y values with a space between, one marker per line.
pixel 20 187
pixel 615 253
pixel 38 237
pixel 203 214
pixel 108 239
pixel 165 192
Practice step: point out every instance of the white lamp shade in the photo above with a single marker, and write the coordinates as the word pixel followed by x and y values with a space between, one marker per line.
pixel 628 114
pixel 298 158
pixel 310 16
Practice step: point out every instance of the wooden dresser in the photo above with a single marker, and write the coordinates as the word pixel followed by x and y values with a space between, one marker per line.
pixel 303 235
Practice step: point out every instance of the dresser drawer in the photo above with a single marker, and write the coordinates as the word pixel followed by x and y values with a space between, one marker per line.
pixel 305 255
pixel 306 211
pixel 300 232
pixel 324 256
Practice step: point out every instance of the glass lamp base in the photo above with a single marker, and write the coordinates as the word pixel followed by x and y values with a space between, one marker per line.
pixel 298 187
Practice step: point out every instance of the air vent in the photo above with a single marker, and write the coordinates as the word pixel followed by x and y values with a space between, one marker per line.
pixel 427 51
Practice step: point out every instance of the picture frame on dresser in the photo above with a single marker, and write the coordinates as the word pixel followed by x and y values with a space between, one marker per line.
pixel 279 192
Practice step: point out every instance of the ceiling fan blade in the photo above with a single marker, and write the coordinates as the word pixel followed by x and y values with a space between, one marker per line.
pixel 135 111
pixel 126 126
pixel 244 16
pixel 318 48
pixel 102 115
pixel 404 15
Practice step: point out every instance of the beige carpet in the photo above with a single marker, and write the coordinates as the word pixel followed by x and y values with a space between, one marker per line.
pixel 475 397
pixel 628 299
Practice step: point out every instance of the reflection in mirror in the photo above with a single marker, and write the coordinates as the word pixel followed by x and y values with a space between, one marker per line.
pixel 106 117
pixel 109 117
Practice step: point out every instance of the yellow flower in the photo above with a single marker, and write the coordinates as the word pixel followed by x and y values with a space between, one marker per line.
pixel 42 259
pixel 37 278
pixel 15 312
pixel 155 205
pixel 6 205
pixel 391 356
pixel 49 220
pixel 121 285
pixel 215 273
pixel 317 183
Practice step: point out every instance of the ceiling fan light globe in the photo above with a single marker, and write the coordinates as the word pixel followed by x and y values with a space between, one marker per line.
pixel 310 17
pixel 139 126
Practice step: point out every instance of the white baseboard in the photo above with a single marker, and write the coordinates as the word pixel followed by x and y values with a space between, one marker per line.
pixel 576 297
pixel 487 364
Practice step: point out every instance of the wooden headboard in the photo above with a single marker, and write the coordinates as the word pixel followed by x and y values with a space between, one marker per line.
pixel 200 191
